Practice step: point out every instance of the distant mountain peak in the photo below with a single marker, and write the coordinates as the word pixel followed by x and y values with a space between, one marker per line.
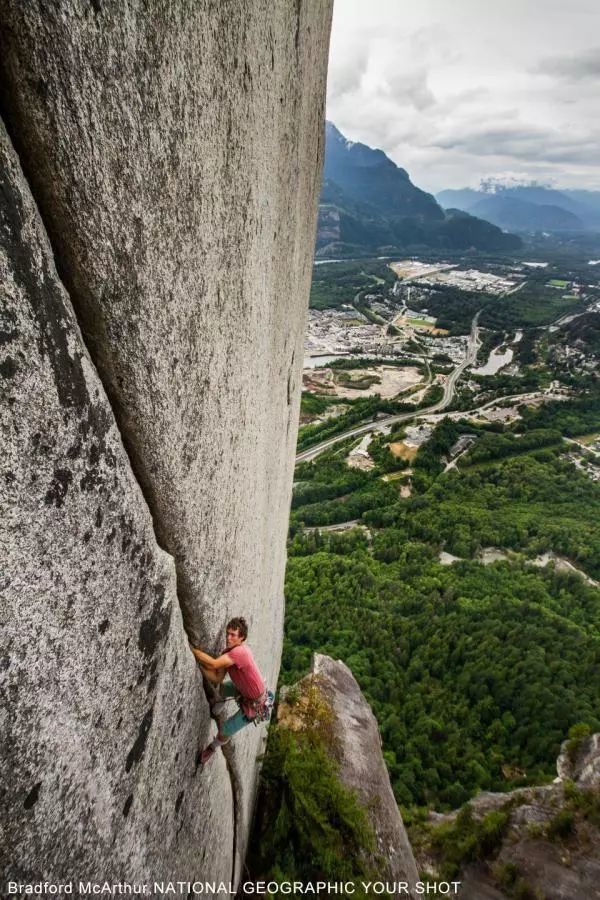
pixel 494 184
pixel 368 175
pixel 356 154
pixel 525 204
pixel 334 134
pixel 369 201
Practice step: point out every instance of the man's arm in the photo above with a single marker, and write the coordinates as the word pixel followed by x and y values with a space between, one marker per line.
pixel 210 662
pixel 216 676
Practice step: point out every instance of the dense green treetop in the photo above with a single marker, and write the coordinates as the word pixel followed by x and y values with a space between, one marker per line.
pixel 475 672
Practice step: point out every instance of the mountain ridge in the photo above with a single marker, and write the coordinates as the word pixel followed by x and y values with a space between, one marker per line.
pixel 527 207
pixel 368 204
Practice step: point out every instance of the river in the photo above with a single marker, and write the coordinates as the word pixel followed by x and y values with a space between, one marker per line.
pixel 497 360
pixel 314 362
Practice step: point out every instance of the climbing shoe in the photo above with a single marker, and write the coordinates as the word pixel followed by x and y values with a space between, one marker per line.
pixel 207 754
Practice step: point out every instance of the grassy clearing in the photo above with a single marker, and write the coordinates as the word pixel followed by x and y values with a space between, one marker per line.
pixel 421 323
pixel 394 476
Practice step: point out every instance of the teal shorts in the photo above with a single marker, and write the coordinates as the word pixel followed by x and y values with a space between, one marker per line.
pixel 236 722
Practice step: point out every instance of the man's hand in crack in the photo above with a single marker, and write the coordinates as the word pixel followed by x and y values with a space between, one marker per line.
pixel 213 668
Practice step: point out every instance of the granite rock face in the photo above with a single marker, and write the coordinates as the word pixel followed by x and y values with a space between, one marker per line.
pixel 100 704
pixel 173 152
pixel 551 845
pixel 584 768
pixel 363 768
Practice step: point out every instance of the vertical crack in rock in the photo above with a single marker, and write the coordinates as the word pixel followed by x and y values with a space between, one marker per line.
pixel 237 810
pixel 181 210
pixel 150 631
pixel 61 433
pixel 59 486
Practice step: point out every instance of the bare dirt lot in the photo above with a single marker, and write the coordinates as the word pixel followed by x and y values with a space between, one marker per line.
pixel 403 451
pixel 387 381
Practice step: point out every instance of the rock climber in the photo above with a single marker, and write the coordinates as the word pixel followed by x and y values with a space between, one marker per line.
pixel 247 686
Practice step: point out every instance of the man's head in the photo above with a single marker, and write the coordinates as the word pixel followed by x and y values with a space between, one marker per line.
pixel 236 632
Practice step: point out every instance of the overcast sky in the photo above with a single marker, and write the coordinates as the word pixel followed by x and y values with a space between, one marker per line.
pixel 458 90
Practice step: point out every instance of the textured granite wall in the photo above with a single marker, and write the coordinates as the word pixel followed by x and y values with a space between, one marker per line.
pixel 362 768
pixel 173 152
pixel 101 707
pixel 329 703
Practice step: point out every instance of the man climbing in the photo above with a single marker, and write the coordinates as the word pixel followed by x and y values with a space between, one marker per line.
pixel 247 686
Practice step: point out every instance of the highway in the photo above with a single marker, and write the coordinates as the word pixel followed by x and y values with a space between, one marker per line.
pixel 449 389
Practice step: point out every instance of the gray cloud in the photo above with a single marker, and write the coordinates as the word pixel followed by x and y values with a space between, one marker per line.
pixel 412 86
pixel 346 76
pixel 457 91
pixel 572 68
pixel 525 144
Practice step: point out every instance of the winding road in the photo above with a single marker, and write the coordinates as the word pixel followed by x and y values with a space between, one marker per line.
pixel 449 388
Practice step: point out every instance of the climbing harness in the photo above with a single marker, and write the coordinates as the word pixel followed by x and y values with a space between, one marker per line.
pixel 260 709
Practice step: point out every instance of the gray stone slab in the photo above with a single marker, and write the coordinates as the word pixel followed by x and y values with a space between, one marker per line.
pixel 363 769
pixel 174 151
pixel 101 709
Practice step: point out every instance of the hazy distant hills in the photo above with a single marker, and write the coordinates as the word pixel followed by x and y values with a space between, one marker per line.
pixel 528 207
pixel 369 204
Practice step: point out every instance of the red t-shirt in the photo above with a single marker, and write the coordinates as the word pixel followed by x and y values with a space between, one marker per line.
pixel 244 672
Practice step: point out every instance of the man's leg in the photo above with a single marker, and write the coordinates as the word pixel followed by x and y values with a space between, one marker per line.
pixel 217 707
pixel 225 733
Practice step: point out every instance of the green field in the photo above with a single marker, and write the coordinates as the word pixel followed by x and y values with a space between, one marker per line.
pixel 420 323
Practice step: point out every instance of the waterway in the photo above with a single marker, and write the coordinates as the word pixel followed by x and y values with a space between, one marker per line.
pixel 496 361
pixel 322 262
pixel 315 362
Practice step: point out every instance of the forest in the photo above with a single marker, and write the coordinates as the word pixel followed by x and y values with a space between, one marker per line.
pixel 475 672
pixel 335 284
pixel 531 306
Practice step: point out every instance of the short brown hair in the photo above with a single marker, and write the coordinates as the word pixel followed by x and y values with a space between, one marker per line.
pixel 240 625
